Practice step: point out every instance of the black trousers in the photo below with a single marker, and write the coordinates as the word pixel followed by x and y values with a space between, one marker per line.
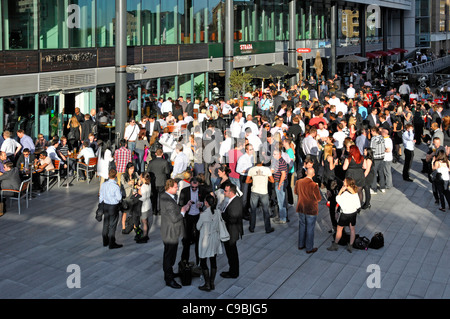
pixel 169 258
pixel 191 235
pixel 409 156
pixel 110 220
pixel 233 257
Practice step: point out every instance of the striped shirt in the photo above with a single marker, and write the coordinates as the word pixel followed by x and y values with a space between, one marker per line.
pixel 110 193
pixel 378 147
pixel 278 167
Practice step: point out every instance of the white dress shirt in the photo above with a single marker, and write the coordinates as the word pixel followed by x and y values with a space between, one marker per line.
pixel 245 162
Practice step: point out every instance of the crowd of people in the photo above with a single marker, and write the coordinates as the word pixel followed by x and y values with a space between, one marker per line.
pixel 206 159
pixel 195 163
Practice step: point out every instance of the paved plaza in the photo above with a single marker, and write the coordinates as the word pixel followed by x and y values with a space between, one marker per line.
pixel 58 230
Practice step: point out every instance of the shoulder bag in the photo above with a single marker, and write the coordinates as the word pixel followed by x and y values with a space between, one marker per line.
pixel 223 232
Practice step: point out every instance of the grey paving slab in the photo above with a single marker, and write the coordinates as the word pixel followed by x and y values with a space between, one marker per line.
pixel 58 229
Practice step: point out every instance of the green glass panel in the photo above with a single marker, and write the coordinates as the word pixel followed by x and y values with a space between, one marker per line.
pixel 53 18
pixel 19 24
pixel 106 17
pixel 82 35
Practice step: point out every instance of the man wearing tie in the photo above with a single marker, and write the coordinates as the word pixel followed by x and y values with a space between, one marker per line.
pixel 172 229
pixel 233 220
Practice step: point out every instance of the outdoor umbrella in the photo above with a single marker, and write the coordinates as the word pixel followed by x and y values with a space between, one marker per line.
pixel 352 59
pixel 300 67
pixel 287 70
pixel 318 65
pixel 265 72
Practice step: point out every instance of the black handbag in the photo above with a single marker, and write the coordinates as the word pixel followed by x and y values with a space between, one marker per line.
pixel 377 241
pixel 99 212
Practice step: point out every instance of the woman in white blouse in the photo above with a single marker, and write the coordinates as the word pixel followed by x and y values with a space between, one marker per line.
pixel 105 157
pixel 350 204
pixel 145 191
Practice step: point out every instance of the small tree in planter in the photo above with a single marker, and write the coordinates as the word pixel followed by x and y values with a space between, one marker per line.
pixel 239 83
pixel 198 90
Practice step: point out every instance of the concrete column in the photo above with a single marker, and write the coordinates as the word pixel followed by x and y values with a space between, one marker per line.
pixel 334 26
pixel 362 28
pixel 36 115
pixel 2 114
pixel 139 113
pixel 229 45
pixel 121 72
pixel 292 50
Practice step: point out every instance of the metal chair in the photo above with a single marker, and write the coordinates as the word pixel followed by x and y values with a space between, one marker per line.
pixel 56 173
pixel 18 194
pixel 90 167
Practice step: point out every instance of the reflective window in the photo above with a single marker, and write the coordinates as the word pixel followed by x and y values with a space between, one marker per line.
pixel 81 24
pixel 20 24
pixel 216 22
pixel 53 18
pixel 134 22
pixel 348 30
pixel 169 22
pixel 151 22
pixel 106 17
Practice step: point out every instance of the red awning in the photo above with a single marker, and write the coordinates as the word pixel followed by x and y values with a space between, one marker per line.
pixel 393 52
pixel 399 50
pixel 373 55
pixel 383 53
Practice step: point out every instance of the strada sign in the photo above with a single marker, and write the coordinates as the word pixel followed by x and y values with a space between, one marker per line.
pixel 303 50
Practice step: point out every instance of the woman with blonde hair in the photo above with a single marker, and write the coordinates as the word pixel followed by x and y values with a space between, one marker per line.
pixel 349 203
pixel 74 135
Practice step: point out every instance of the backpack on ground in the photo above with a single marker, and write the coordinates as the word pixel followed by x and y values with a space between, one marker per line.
pixel 377 241
pixel 361 242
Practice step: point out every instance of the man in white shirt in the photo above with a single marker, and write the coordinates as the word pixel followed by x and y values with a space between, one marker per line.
pixel 236 127
pixel 181 161
pixel 260 176
pixel 253 139
pixel 404 91
pixel 309 144
pixel 250 124
pixel 339 138
pixel 245 162
pixel 408 142
pixel 334 100
pixel 225 146
pixel 388 157
pixel 131 135
pixel 87 153
pixel 10 146
pixel 342 107
pixel 166 107
pixel 351 92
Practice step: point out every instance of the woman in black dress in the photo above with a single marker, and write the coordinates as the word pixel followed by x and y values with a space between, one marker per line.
pixel 353 167
pixel 369 173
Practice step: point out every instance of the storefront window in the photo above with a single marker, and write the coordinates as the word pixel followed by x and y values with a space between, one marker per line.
pixel 134 22
pixel 281 22
pixel 151 22
pixel 19 24
pixel 82 35
pixel 54 32
pixel 216 21
pixel 169 22
pixel 106 17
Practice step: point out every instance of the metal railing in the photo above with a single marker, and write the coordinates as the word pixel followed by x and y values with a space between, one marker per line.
pixel 428 67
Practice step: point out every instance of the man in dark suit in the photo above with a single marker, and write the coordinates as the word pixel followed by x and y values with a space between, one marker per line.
pixel 172 228
pixel 196 196
pixel 10 179
pixel 189 107
pixel 26 158
pixel 373 119
pixel 159 169
pixel 233 220
pixel 86 127
pixel 151 126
